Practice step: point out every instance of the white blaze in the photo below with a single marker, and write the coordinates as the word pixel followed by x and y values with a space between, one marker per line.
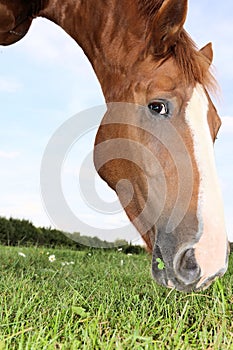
pixel 210 250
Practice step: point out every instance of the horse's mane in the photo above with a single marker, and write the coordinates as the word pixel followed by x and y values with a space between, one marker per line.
pixel 191 62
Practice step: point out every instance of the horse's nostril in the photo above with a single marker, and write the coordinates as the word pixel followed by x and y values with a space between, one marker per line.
pixel 187 268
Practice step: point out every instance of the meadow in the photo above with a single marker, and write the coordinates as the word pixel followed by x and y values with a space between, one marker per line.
pixel 101 299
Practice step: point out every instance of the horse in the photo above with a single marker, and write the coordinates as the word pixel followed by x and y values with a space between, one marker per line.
pixel 157 86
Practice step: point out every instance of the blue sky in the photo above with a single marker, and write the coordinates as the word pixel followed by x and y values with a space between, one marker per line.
pixel 46 79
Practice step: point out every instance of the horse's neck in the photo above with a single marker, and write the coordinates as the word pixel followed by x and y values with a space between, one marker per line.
pixel 108 32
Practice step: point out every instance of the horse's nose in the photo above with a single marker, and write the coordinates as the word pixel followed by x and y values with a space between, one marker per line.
pixel 186 267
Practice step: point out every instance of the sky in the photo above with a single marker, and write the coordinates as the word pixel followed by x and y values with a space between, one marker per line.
pixel 45 79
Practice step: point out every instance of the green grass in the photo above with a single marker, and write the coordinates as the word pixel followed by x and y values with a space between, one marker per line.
pixel 105 300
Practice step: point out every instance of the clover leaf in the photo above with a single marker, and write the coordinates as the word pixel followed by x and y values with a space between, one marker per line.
pixel 161 264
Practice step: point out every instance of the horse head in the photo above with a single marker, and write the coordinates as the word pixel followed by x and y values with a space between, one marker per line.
pixel 162 161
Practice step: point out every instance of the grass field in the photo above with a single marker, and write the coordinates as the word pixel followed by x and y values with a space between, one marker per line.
pixel 105 300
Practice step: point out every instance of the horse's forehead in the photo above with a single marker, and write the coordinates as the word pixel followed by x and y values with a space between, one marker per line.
pixel 151 77
pixel 163 82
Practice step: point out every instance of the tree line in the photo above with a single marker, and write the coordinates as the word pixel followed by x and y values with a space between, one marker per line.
pixel 16 232
pixel 20 232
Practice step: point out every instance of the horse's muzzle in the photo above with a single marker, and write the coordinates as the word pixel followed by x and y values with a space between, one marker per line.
pixel 181 273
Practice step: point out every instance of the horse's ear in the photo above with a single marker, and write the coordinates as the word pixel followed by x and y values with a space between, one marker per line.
pixel 167 24
pixel 207 51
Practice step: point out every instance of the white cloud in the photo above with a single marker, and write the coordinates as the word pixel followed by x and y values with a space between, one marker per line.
pixel 9 85
pixel 9 155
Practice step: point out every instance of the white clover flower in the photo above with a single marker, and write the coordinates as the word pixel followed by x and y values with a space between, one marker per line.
pixel 22 254
pixel 52 258
pixel 64 263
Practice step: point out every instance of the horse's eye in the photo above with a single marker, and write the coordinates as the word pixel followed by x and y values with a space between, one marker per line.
pixel 159 107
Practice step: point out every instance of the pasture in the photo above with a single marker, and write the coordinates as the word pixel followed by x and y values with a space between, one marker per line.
pixel 100 299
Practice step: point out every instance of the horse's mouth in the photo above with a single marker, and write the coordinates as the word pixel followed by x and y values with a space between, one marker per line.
pixel 167 278
pixel 165 274
pixel 16 33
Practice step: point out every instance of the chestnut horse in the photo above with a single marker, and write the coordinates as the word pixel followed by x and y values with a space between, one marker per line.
pixel 142 56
